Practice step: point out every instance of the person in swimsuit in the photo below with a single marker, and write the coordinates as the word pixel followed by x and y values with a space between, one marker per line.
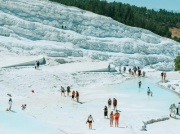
pixel 77 96
pixel 115 103
pixel 105 112
pixel 109 103
pixel 116 117
pixel 90 120
pixel 62 91
pixel 73 94
pixel 111 119
pixel 68 90
pixel 10 104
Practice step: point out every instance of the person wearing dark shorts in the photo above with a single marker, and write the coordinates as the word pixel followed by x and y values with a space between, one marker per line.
pixel 115 104
pixel 90 120
pixel 68 90
pixel 73 94
pixel 105 112
pixel 109 103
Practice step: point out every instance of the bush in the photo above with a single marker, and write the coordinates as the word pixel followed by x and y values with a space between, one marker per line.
pixel 177 63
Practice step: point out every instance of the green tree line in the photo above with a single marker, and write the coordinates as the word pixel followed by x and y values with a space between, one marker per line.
pixel 177 63
pixel 158 22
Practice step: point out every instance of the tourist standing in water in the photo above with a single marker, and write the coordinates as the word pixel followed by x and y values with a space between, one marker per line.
pixel 148 91
pixel 90 120
pixel 139 84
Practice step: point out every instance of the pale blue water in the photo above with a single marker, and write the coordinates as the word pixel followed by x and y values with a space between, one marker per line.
pixel 132 98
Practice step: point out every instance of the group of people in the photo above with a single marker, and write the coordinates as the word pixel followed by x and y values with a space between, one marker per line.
pixel 134 70
pixel 37 63
pixel 10 105
pixel 163 76
pixel 149 92
pixel 174 110
pixel 112 117
pixel 74 94
pixel 63 90
pixel 114 103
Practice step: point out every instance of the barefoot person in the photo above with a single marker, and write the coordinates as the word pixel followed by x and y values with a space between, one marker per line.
pixel 90 120
pixel 148 91
pixel 116 117
pixel 62 91
pixel 111 116
pixel 139 84
pixel 77 96
pixel 109 103
pixel 115 104
pixel 68 90
pixel 73 94
pixel 105 112
pixel 10 104
pixel 164 76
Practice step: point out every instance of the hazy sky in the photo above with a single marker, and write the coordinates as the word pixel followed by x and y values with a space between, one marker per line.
pixel 154 4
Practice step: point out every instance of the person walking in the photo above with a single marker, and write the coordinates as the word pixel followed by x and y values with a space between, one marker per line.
pixel 73 94
pixel 111 116
pixel 109 103
pixel 116 117
pixel 77 96
pixel 139 84
pixel 68 90
pixel 62 91
pixel 38 63
pixel 105 112
pixel 10 104
pixel 90 120
pixel 164 76
pixel 115 104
